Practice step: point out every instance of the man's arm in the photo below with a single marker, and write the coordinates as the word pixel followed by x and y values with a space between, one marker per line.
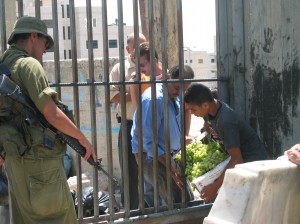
pixel 188 118
pixel 115 95
pixel 62 123
pixel 117 98
pixel 209 192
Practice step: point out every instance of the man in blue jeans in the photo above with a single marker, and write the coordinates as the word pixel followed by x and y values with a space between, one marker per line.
pixel 175 133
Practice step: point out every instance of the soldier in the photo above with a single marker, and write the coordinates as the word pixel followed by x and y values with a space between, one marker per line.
pixel 38 187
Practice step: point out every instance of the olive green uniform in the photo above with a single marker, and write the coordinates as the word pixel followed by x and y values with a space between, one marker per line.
pixel 39 192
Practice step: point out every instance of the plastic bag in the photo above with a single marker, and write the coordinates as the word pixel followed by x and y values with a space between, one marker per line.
pixel 211 175
pixel 88 204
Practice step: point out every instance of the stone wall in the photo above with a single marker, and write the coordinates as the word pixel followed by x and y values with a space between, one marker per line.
pixel 84 105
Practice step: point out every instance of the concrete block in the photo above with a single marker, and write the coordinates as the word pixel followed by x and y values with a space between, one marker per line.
pixel 258 192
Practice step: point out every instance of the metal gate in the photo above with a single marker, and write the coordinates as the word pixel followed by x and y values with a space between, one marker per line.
pixel 61 17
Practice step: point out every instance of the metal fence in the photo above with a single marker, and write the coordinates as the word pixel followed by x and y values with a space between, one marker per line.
pixel 163 214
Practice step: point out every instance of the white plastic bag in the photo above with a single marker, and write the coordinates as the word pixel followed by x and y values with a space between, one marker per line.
pixel 211 175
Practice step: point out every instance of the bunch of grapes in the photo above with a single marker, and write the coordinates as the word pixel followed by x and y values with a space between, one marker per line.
pixel 201 158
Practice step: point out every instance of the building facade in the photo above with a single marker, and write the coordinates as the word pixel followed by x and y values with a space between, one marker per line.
pixel 65 30
pixel 203 63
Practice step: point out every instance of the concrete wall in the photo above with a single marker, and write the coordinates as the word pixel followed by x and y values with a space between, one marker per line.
pixel 258 49
pixel 84 102
pixel 258 192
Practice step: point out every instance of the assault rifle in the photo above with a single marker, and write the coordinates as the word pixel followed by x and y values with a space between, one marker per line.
pixel 12 90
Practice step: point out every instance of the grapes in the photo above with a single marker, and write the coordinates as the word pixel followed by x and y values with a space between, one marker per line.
pixel 201 158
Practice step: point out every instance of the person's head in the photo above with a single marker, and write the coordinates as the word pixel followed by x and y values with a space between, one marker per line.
pixel 145 65
pixel 130 42
pixel 214 92
pixel 174 73
pixel 198 98
pixel 31 33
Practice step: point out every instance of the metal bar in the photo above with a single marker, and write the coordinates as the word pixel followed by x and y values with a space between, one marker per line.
pixel 165 216
pixel 182 111
pixel 221 79
pixel 3 27
pixel 164 50
pixel 38 9
pixel 123 110
pixel 20 8
pixel 222 49
pixel 107 107
pixel 153 98
pixel 92 100
pixel 76 104
pixel 139 108
pixel 56 46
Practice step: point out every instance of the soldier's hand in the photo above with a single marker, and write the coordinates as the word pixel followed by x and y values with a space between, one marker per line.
pixel 89 149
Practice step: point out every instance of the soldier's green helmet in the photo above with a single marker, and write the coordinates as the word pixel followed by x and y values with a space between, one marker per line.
pixel 29 24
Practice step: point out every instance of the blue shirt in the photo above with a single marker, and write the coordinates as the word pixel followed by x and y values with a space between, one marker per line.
pixel 174 123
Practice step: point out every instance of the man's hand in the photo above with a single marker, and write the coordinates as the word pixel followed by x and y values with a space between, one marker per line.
pixel 174 171
pixel 189 140
pixel 209 193
pixel 294 154
pixel 176 177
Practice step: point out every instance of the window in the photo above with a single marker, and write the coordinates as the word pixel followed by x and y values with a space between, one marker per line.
pixel 191 61
pixel 186 61
pixel 69 33
pixel 68 11
pixel 65 54
pixel 70 54
pixel 62 11
pixel 212 60
pixel 200 61
pixel 113 44
pixel 94 43
pixel 94 22
pixel 64 33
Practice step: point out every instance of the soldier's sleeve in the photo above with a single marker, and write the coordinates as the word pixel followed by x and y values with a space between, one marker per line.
pixel 36 83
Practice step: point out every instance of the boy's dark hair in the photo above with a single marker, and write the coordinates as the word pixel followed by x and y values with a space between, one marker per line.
pixel 198 94
pixel 144 49
pixel 188 72
pixel 214 92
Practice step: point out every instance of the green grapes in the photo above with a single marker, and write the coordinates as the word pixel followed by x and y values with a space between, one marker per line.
pixel 201 158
